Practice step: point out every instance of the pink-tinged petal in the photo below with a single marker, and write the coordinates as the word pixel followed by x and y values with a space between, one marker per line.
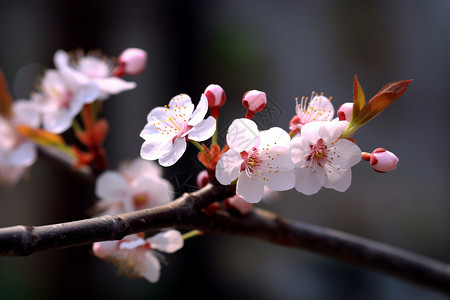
pixel 299 148
pixel 111 186
pixel 168 241
pixel 310 131
pixel 72 77
pixel 114 85
pixel 251 190
pixel 182 104
pixel 242 134
pixel 239 204
pixel 24 155
pixel 105 249
pixel 339 180
pixel 336 129
pixel 321 108
pixel 130 244
pixel 86 93
pixel 58 122
pixel 204 130
pixel 151 267
pixel 157 190
pixel 199 113
pixel 178 149
pixel 139 167
pixel 228 167
pixel 151 132
pixel 309 181
pixel 26 112
pixel 154 149
pixel 158 114
pixel 281 181
pixel 275 136
pixel 344 154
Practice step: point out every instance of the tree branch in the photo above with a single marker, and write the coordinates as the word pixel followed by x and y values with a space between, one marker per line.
pixel 186 213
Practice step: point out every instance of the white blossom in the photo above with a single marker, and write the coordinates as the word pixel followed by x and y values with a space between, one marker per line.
pixel 321 158
pixel 168 128
pixel 256 159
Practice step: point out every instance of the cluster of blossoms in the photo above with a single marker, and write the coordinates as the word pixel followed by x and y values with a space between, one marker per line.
pixel 78 81
pixel 319 151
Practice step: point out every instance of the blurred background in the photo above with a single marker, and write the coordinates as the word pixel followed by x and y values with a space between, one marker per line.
pixel 287 49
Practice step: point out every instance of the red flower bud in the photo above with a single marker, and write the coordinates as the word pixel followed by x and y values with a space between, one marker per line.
pixel 216 98
pixel 202 179
pixel 383 161
pixel 238 204
pixel 344 112
pixel 255 101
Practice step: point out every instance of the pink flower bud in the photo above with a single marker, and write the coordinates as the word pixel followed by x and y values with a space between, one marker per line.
pixel 132 61
pixel 344 112
pixel 383 161
pixel 216 98
pixel 202 178
pixel 238 204
pixel 255 101
pixel 104 249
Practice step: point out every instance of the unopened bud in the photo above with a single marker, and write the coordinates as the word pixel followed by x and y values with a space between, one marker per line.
pixel 238 204
pixel 255 101
pixel 216 98
pixel 104 249
pixel 344 112
pixel 132 61
pixel 383 161
pixel 202 178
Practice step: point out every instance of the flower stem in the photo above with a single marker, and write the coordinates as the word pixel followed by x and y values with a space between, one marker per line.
pixel 192 233
pixel 197 144
pixel 214 137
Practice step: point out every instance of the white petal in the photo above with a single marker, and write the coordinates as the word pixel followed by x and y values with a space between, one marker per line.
pixel 280 159
pixel 321 108
pixel 275 136
pixel 24 155
pixel 140 167
pixel 339 180
pixel 159 114
pixel 154 149
pixel 228 167
pixel 310 131
pixel 199 113
pixel 111 186
pixel 182 103
pixel 58 122
pixel 170 158
pixel 281 181
pixel 26 112
pixel 158 190
pixel 152 267
pixel 335 129
pixel 204 130
pixel 299 148
pixel 114 85
pixel 242 134
pixel 345 154
pixel 86 93
pixel 167 241
pixel 130 244
pixel 104 249
pixel 251 190
pixel 307 181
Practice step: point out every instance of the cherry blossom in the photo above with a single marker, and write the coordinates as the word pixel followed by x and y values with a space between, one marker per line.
pixel 256 159
pixel 62 95
pixel 254 101
pixel 131 61
pixel 168 128
pixel 321 158
pixel 319 108
pixel 136 257
pixel 95 68
pixel 137 185
pixel 16 151
pixel 383 161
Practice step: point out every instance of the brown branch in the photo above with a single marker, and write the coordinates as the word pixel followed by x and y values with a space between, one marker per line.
pixel 186 213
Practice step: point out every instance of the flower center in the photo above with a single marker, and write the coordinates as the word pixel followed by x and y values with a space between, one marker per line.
pixel 318 151
pixel 140 201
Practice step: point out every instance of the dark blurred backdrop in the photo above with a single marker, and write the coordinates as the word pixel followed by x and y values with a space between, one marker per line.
pixel 287 49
